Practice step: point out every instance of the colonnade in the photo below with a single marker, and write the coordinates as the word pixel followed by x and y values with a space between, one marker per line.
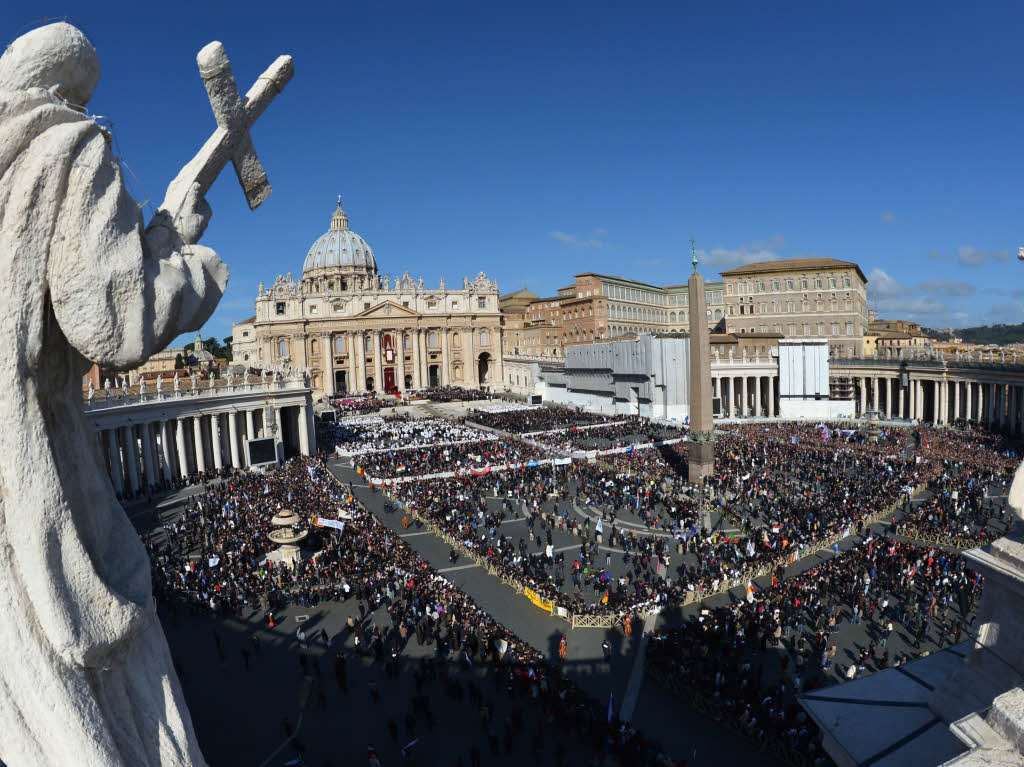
pixel 150 452
pixel 746 395
pixel 431 352
pixel 999 405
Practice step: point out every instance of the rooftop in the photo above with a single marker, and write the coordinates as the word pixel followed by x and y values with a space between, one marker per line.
pixel 792 265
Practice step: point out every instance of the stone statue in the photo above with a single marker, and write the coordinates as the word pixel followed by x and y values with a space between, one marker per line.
pixel 106 387
pixel 465 283
pixel 387 282
pixel 211 382
pixel 159 384
pixel 245 377
pixel 142 387
pixel 195 382
pixel 419 283
pixel 177 382
pixel 124 386
pixel 259 289
pixel 92 391
pixel 442 284
pixel 93 682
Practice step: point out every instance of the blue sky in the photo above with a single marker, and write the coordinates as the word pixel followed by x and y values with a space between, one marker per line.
pixel 538 140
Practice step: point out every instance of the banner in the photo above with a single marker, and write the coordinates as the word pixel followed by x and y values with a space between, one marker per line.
pixel 543 604
pixel 327 522
pixel 480 471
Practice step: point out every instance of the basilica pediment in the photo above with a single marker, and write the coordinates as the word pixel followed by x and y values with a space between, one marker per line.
pixel 387 309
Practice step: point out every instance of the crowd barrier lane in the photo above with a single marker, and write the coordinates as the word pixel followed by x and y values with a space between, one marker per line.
pixel 951 541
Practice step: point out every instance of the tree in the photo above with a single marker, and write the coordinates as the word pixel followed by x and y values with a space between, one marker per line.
pixel 179 361
pixel 228 352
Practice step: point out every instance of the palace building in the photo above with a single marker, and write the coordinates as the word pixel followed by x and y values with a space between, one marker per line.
pixel 357 331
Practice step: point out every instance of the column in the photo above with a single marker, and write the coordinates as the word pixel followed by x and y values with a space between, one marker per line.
pixel 327 355
pixel 148 464
pixel 743 396
pixel 470 376
pixel 197 433
pixel 353 362
pixel 714 387
pixel 303 430
pixel 378 367
pixel 899 397
pixel 114 454
pixel 446 360
pixel 131 456
pixel 179 429
pixel 215 438
pixel 757 396
pixel 771 396
pixel 723 384
pixel 279 434
pixel 968 387
pixel 956 400
pixel 874 393
pixel 863 395
pixel 166 456
pixel 361 372
pixel 233 439
pixel 414 334
pixel 250 425
pixel 400 361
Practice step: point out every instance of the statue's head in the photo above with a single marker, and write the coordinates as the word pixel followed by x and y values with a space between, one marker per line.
pixel 55 56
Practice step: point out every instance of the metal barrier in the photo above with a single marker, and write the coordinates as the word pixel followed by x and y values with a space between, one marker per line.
pixel 952 541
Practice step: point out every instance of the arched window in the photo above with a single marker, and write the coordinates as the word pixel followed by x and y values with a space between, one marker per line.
pixel 407 343
pixel 339 345
pixel 367 343
pixel 483 338
pixel 282 348
pixel 432 340
pixel 456 341
pixel 314 346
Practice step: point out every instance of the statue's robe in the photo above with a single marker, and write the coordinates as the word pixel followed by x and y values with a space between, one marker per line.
pixel 86 677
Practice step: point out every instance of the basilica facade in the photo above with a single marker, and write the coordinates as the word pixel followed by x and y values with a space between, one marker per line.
pixel 357 331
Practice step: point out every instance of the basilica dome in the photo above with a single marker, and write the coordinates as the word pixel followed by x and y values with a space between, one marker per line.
pixel 339 247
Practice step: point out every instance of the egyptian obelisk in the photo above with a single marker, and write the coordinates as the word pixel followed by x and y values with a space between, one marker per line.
pixel 701 453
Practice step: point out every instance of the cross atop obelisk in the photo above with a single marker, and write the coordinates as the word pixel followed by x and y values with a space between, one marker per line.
pixel 701 450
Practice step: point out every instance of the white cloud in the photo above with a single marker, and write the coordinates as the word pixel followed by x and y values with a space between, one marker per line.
pixel 947 288
pixel 910 305
pixel 727 258
pixel 881 285
pixel 888 216
pixel 970 256
pixel 576 241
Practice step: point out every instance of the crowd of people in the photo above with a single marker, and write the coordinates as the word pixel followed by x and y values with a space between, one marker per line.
pixel 452 394
pixel 345 405
pixel 524 419
pixel 361 435
pixel 456 457
pixel 624 431
pixel 215 559
pixel 966 508
pixel 721 658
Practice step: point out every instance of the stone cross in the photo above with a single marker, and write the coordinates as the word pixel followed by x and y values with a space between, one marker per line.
pixel 231 141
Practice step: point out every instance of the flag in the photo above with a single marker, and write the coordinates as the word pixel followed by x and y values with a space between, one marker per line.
pixel 360 472
pixel 632 449
pixel 604 599
pixel 400 469
pixel 750 591
pixel 599 527
pixel 796 440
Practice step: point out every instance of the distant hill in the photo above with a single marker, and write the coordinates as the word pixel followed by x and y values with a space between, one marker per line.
pixel 986 334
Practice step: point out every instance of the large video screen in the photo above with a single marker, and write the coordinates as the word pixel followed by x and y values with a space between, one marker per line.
pixel 262 451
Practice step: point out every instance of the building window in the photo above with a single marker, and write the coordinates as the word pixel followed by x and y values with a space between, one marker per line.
pixel 849 328
pixel 405 304
pixel 280 308
pixel 245 334
pixel 366 306
pixel 846 282
pixel 314 346
pixel 817 282
pixel 282 348
pixel 407 342
pixel 314 309
pixel 432 340
pixel 339 345
pixel 481 303
pixel 835 328
pixel 803 284
pixel 431 303
pixel 483 338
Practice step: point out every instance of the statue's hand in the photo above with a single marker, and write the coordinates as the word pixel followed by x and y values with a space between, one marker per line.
pixel 181 222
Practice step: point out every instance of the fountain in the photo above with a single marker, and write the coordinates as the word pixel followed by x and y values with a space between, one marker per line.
pixel 873 429
pixel 287 536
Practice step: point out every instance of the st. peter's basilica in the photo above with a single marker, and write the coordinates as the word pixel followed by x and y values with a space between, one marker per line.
pixel 357 331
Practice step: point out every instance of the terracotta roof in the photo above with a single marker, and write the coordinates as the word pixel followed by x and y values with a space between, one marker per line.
pixel 247 320
pixel 792 265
